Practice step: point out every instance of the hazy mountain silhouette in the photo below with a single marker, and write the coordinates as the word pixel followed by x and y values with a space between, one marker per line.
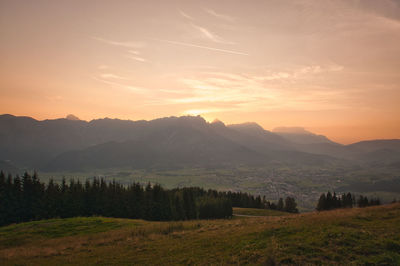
pixel 72 117
pixel 167 142
pixel 65 144
pixel 373 145
pixel 299 135
pixel 378 152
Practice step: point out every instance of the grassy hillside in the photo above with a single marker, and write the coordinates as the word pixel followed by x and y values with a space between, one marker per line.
pixel 360 236
pixel 258 212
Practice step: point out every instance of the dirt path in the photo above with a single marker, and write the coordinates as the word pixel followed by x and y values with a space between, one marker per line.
pixel 243 215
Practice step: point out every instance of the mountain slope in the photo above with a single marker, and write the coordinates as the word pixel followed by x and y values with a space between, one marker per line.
pixel 299 135
pixel 178 143
pixel 186 142
pixel 169 142
pixel 374 145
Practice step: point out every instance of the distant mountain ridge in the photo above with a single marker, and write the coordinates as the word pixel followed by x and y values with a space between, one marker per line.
pixel 187 141
pixel 301 136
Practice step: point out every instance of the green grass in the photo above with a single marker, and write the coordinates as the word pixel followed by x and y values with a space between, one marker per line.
pixel 20 234
pixel 258 212
pixel 352 236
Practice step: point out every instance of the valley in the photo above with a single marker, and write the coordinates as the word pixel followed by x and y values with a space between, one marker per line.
pixel 304 183
pixel 189 151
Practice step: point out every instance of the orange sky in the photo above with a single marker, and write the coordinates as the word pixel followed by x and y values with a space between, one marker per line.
pixel 329 66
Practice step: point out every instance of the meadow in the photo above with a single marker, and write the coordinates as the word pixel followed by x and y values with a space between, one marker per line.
pixel 346 236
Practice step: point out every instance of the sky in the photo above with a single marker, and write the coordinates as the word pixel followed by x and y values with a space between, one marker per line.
pixel 332 67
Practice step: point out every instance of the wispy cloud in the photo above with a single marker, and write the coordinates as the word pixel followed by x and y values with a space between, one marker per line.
pixel 205 47
pixel 219 15
pixel 185 15
pixel 135 55
pixel 137 58
pixel 209 35
pixel 112 76
pixel 217 88
pixel 130 44
pixel 127 87
pixel 134 52
pixel 299 72
pixel 205 92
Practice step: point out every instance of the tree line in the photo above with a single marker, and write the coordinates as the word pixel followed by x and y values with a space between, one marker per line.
pixel 331 201
pixel 26 198
pixel 245 200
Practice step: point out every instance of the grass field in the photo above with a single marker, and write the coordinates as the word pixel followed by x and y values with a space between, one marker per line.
pixel 258 212
pixel 351 236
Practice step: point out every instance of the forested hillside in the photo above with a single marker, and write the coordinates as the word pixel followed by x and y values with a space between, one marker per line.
pixel 25 199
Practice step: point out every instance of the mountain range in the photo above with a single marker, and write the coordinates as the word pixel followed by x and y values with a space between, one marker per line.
pixel 171 142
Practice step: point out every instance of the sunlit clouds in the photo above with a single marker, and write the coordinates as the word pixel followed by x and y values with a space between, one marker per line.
pixel 220 15
pixel 205 47
pixel 129 44
pixel 321 65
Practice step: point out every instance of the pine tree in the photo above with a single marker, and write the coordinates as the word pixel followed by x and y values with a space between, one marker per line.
pixel 329 201
pixel 322 203
pixel 280 205
pixel 291 205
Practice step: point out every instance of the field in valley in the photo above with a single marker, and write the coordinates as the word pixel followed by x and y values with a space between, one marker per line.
pixel 303 183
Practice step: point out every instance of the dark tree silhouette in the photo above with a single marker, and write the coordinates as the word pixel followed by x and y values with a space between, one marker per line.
pixel 329 201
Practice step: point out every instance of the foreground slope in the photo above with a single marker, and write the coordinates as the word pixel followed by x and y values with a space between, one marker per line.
pixel 360 236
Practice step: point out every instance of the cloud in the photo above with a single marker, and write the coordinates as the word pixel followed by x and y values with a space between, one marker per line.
pixel 205 47
pixel 219 88
pixel 316 69
pixel 130 88
pixel 219 15
pixel 137 58
pixel 121 44
pixel 185 15
pixel 112 76
pixel 195 112
pixel 299 72
pixel 275 76
pixel 133 52
pixel 210 36
pixel 205 91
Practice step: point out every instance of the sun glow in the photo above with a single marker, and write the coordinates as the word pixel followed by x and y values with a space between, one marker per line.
pixel 196 112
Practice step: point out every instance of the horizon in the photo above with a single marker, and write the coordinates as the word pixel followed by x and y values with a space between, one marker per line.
pixel 330 67
pixel 273 130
